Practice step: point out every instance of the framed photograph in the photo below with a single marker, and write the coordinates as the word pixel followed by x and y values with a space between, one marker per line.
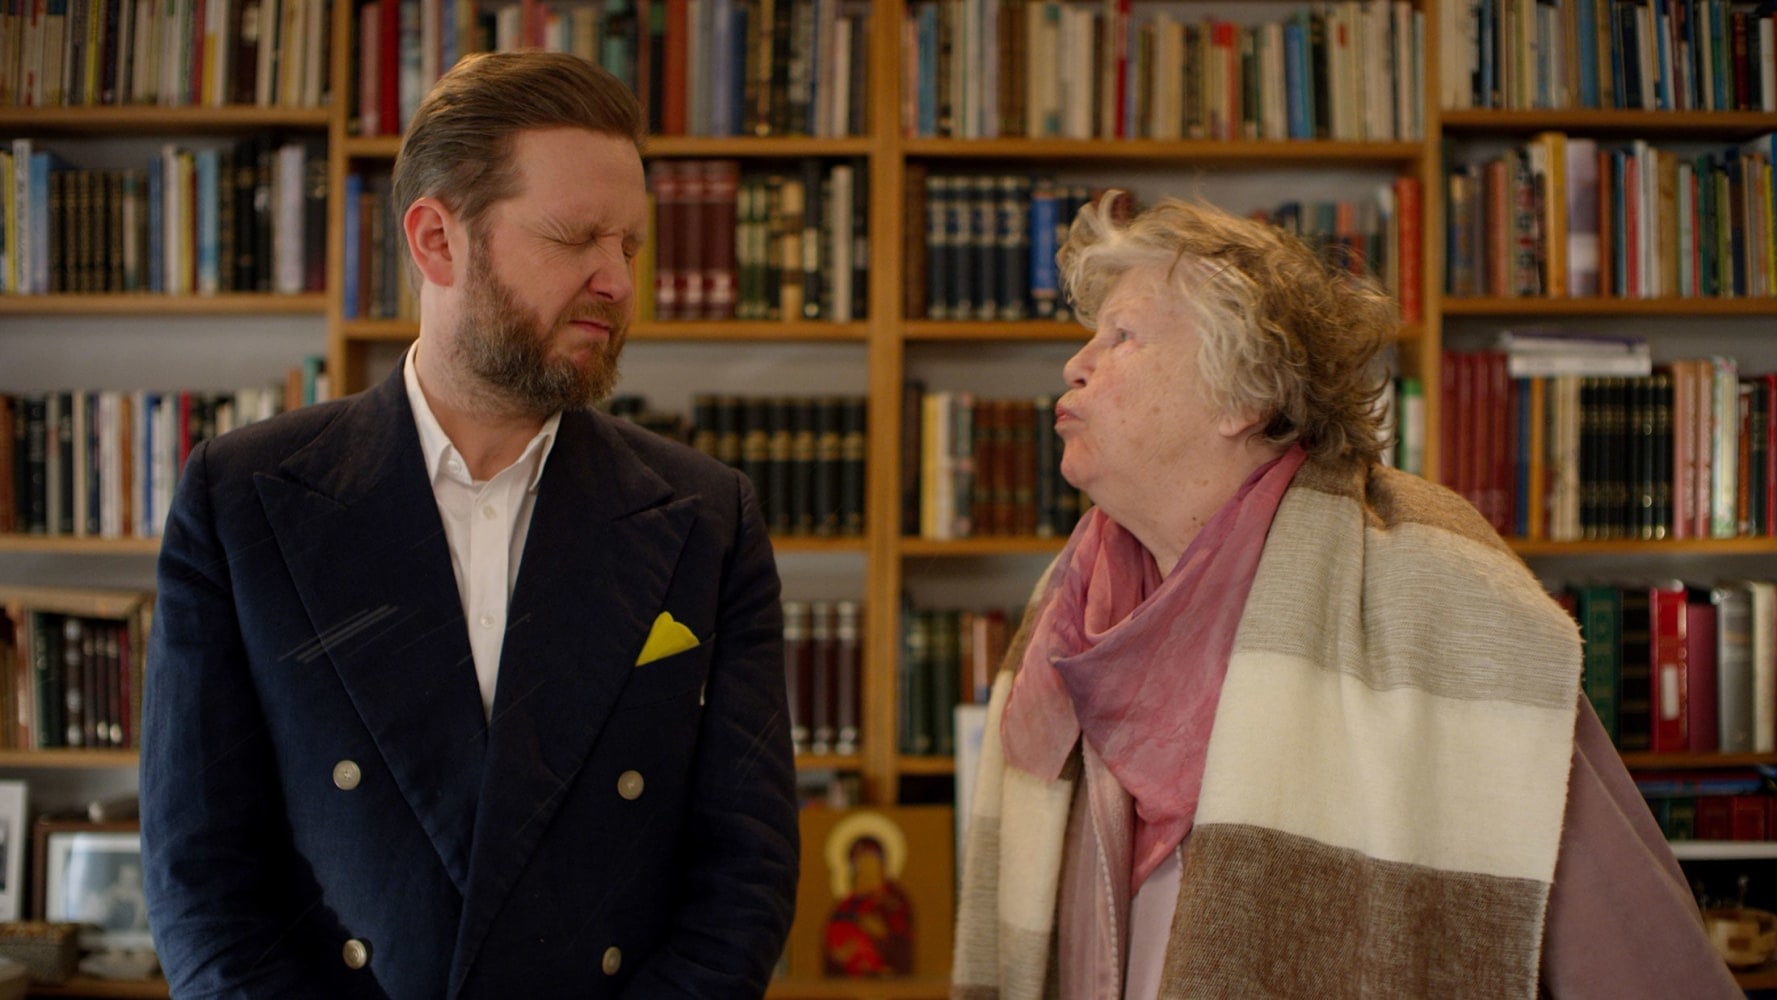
pixel 12 850
pixel 91 874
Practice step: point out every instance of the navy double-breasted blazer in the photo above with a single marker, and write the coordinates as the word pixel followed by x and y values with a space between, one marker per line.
pixel 321 788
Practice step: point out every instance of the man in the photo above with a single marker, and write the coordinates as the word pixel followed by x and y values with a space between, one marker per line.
pixel 458 688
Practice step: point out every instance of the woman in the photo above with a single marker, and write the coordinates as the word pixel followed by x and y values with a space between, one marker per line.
pixel 1283 721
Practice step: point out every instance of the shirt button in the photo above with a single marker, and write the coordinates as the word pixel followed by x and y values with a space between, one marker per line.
pixel 613 959
pixel 487 621
pixel 346 775
pixel 356 954
pixel 489 512
pixel 629 785
pixel 455 466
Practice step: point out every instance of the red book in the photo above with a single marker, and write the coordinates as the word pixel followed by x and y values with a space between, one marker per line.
pixel 1671 713
pixel 389 61
pixel 1714 818
pixel 1409 255
pixel 1746 817
pixel 678 48
pixel 1769 432
pixel 721 189
pixel 663 175
pixel 1700 688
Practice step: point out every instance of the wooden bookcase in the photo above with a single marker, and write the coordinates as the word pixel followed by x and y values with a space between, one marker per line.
pixel 888 344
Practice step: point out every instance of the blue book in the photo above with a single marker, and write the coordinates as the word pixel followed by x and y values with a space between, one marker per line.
pixel 157 187
pixel 1295 75
pixel 1487 80
pixel 1722 70
pixel 737 69
pixel 1044 286
pixel 1619 223
pixel 722 53
pixel 354 194
pixel 927 98
pixel 42 163
pixel 209 273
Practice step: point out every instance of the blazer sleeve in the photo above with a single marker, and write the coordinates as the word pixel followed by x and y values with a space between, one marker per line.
pixel 215 852
pixel 738 891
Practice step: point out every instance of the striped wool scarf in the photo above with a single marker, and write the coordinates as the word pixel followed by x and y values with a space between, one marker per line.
pixel 1386 776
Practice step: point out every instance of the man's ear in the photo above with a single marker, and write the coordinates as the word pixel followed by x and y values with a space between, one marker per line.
pixel 1240 425
pixel 435 240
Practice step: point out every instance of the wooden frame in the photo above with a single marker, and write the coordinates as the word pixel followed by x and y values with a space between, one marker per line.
pixel 91 873
pixel 14 844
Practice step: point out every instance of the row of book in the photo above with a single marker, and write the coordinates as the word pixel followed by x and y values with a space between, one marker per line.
pixel 71 667
pixel 823 673
pixel 701 67
pixel 757 244
pixel 1681 452
pixel 974 466
pixel 949 657
pixel 1567 216
pixel 1747 816
pixel 1667 55
pixel 248 217
pixel 1676 667
pixel 803 454
pixel 987 249
pixel 1004 68
pixel 373 272
pixel 179 53
pixel 91 463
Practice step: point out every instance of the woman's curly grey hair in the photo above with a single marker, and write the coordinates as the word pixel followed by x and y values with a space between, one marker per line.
pixel 1283 334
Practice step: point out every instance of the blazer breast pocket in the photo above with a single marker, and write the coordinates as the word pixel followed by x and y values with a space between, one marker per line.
pixel 680 675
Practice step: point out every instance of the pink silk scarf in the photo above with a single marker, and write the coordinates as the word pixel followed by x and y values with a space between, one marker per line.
pixel 1134 662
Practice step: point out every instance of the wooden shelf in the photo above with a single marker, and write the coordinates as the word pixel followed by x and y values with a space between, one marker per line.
pixel 1711 124
pixel 1627 546
pixel 859 989
pixel 66 545
pixel 829 762
pixel 69 759
pixel 1670 306
pixel 157 120
pixel 1723 850
pixel 150 304
pixel 1008 546
pixel 1762 978
pixel 925 764
pixel 103 989
pixel 384 147
pixel 1643 761
pixel 846 545
pixel 744 331
pixel 1016 331
pixel 1173 154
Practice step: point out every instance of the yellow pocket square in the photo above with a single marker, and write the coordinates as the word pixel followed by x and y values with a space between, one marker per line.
pixel 665 638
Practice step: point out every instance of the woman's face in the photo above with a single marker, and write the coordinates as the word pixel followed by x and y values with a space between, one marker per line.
pixel 1136 422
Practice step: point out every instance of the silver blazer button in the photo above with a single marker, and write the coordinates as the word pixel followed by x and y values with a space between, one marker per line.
pixel 613 959
pixel 356 954
pixel 346 775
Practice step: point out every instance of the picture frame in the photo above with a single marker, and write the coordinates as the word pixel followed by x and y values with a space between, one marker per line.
pixel 875 898
pixel 91 874
pixel 14 845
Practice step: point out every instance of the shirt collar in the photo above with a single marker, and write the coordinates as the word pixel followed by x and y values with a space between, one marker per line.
pixel 437 446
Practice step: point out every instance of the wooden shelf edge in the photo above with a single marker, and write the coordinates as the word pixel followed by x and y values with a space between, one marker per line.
pixel 1602 306
pixel 923 764
pixel 65 545
pixel 829 762
pixel 70 759
pixel 981 546
pixel 151 304
pixel 152 118
pixel 1763 977
pixel 858 989
pixel 1760 546
pixel 103 989
pixel 1169 152
pixel 1606 119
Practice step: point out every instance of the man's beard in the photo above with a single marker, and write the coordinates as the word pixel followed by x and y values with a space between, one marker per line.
pixel 508 351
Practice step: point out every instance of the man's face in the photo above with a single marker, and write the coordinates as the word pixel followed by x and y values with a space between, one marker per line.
pixel 549 290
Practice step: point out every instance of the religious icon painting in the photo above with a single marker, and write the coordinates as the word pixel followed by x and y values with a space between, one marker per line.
pixel 875 897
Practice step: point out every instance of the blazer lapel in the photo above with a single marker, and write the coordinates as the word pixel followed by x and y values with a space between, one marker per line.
pixel 358 525
pixel 605 538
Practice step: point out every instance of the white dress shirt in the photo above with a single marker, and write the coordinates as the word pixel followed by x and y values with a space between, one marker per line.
pixel 486 524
